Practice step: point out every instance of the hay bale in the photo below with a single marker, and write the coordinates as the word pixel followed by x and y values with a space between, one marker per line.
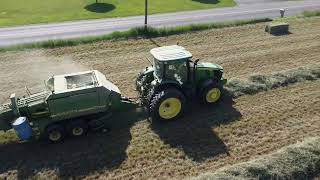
pixel 277 28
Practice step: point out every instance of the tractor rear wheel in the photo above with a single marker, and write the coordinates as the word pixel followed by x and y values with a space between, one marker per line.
pixel 167 105
pixel 55 133
pixel 211 94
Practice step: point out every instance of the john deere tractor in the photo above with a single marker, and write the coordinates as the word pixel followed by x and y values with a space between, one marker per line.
pixel 174 79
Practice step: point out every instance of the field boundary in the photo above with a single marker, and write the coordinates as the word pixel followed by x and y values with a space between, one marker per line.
pixel 297 161
pixel 133 33
pixel 147 32
pixel 16 13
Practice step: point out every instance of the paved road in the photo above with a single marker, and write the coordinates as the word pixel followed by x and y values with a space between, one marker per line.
pixel 245 9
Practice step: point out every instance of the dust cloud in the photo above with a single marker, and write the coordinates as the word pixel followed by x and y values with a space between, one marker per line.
pixel 31 69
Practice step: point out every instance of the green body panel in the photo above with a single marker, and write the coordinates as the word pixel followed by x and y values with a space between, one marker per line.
pixel 205 71
pixel 70 105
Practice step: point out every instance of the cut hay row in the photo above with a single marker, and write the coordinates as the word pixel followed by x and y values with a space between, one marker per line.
pixel 259 83
pixel 298 161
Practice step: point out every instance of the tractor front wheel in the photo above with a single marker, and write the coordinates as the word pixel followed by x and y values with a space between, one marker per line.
pixel 167 105
pixel 211 94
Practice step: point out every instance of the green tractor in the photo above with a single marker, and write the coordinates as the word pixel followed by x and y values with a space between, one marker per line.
pixel 174 79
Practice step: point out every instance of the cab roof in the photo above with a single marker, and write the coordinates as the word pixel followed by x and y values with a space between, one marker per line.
pixel 168 53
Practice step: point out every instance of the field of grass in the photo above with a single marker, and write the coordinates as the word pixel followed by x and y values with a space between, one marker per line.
pixel 275 80
pixel 17 12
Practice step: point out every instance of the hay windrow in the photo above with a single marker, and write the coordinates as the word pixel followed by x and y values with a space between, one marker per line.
pixel 298 161
pixel 258 83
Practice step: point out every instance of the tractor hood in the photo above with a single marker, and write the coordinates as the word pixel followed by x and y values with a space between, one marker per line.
pixel 209 66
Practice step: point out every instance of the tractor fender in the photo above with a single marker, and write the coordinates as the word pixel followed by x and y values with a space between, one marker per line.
pixel 167 85
pixel 206 84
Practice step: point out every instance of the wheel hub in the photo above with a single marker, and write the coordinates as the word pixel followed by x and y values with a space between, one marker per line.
pixel 170 108
pixel 213 95
pixel 55 135
pixel 77 131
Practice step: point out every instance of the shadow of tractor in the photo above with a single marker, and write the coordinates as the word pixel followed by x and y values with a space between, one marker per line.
pixel 194 133
pixel 78 157
pixel 207 1
pixel 75 157
pixel 100 7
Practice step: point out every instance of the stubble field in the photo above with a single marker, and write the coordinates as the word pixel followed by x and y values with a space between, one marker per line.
pixel 208 138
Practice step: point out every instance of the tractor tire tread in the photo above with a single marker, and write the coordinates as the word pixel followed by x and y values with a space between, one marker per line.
pixel 156 99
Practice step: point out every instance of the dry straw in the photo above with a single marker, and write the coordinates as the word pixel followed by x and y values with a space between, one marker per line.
pixel 258 83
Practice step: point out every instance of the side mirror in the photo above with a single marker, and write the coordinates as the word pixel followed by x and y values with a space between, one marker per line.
pixel 196 62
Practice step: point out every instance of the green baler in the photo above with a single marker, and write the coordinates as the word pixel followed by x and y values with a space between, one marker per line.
pixel 70 104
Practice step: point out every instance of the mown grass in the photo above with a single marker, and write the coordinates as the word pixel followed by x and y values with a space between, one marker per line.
pixel 137 32
pixel 17 12
pixel 298 161
pixel 258 83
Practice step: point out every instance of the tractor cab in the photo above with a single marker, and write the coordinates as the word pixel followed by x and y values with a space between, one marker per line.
pixel 175 79
pixel 172 63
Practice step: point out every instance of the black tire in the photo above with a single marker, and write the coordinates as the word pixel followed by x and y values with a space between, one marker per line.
pixel 204 93
pixel 55 133
pixel 160 98
pixel 77 128
pixel 150 95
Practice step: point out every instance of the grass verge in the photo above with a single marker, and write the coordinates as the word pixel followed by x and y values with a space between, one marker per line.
pixel 298 161
pixel 149 32
pixel 304 14
pixel 311 13
pixel 17 12
pixel 258 83
pixel 138 32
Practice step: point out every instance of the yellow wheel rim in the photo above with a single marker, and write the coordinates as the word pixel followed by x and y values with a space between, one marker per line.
pixel 170 108
pixel 213 95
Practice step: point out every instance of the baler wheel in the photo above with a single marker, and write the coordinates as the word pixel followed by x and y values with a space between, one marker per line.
pixel 55 133
pixel 77 128
pixel 167 105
